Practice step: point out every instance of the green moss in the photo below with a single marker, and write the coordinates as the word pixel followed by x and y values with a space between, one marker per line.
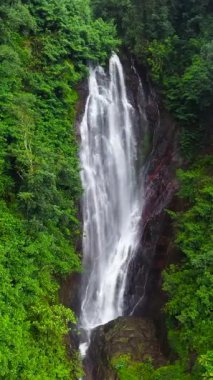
pixel 126 368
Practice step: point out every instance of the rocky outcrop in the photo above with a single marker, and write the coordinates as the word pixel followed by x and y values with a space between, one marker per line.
pixel 133 336
pixel 144 296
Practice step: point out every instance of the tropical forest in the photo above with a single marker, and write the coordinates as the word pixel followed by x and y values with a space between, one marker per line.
pixel 106 191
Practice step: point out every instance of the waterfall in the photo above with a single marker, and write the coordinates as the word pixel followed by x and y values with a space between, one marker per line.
pixel 111 199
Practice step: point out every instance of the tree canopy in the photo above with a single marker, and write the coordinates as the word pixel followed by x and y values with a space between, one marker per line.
pixel 174 40
pixel 45 48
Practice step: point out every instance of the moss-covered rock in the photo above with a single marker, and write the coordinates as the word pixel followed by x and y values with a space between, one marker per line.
pixel 126 335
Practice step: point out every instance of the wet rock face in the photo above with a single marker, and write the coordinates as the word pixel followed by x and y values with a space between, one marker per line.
pixel 130 335
pixel 69 293
pixel 143 295
pixel 158 137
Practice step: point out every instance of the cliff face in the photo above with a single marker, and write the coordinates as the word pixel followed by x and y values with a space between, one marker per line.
pixel 156 234
pixel 157 165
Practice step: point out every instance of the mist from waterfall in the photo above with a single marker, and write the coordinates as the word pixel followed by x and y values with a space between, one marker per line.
pixel 112 201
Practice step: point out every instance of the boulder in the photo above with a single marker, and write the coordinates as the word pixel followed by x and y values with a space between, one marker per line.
pixel 125 335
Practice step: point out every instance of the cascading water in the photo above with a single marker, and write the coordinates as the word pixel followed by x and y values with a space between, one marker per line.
pixel 112 200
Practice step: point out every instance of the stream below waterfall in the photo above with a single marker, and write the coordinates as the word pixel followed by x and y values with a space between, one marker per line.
pixel 112 201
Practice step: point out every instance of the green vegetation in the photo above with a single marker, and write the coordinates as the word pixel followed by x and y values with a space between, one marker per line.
pixel 189 286
pixel 45 47
pixel 128 369
pixel 174 38
pixel 190 283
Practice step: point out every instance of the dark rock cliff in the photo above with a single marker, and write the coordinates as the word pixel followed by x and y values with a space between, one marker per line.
pixel 157 136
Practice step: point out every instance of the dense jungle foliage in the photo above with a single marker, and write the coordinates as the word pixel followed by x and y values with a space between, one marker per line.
pixel 173 39
pixel 45 47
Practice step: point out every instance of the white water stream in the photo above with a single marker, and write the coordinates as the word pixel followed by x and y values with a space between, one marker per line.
pixel 111 201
